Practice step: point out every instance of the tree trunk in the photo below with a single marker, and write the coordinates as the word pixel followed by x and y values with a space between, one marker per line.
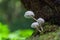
pixel 47 9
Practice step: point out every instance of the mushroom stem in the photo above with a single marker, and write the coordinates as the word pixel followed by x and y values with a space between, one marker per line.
pixel 38 29
pixel 33 18
pixel 41 27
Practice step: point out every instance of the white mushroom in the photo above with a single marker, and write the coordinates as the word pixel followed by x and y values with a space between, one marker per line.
pixel 35 25
pixel 29 14
pixel 41 21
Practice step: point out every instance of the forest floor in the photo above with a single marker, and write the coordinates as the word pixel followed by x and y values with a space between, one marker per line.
pixel 51 36
pixel 54 35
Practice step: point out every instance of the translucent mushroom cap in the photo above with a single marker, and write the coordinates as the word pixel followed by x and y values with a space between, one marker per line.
pixel 29 14
pixel 35 24
pixel 40 20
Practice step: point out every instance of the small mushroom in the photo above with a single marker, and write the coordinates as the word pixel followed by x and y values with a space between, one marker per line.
pixel 35 25
pixel 29 14
pixel 41 22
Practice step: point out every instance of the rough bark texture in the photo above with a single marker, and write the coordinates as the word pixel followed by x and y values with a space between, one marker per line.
pixel 47 9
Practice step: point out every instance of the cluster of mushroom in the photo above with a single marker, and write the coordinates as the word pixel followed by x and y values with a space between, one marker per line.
pixel 39 22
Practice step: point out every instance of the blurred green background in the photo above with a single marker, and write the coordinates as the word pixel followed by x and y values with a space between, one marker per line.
pixel 13 25
pixel 12 14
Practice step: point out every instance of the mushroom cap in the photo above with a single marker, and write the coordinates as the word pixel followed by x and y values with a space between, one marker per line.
pixel 29 14
pixel 40 20
pixel 35 24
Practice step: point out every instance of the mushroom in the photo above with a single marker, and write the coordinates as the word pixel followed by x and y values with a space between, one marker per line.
pixel 35 25
pixel 29 14
pixel 41 22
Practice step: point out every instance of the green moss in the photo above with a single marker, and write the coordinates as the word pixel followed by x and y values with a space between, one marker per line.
pixel 51 36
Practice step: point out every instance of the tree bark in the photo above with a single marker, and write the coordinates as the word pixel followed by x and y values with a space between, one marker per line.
pixel 47 9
